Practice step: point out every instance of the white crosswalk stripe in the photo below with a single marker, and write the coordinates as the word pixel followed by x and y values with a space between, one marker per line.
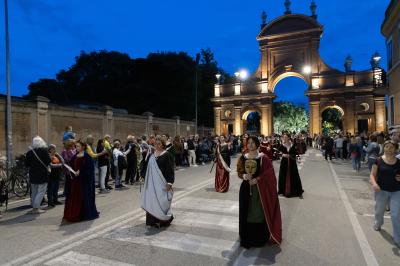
pixel 173 240
pixel 201 213
pixel 74 258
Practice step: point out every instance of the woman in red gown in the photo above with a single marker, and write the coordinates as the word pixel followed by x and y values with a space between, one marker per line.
pixel 223 166
pixel 80 192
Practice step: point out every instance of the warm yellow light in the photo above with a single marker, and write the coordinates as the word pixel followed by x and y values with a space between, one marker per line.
pixel 307 69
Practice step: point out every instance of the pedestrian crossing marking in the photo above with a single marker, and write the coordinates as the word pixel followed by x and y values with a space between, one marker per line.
pixel 205 221
pixel 74 258
pixel 188 243
pixel 212 205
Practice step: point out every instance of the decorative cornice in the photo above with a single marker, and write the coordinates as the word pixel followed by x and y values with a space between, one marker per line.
pixel 252 97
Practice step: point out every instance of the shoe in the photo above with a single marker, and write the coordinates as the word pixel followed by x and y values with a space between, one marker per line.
pixel 36 211
pixel 377 228
pixel 57 203
pixel 109 188
pixel 51 205
pixel 397 245
pixel 104 191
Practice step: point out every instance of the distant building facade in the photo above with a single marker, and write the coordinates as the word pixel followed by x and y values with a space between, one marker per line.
pixel 391 30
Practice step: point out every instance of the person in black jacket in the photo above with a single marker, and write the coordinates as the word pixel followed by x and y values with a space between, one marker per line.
pixel 38 160
pixel 131 159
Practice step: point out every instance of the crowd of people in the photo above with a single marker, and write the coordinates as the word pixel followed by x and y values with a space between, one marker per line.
pixel 152 161
pixel 379 151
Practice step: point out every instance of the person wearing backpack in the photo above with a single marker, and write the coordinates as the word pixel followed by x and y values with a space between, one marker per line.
pixel 38 161
pixel 385 180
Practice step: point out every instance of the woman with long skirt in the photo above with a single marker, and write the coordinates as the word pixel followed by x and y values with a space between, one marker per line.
pixel 259 211
pixel 289 178
pixel 156 197
pixel 223 166
pixel 80 195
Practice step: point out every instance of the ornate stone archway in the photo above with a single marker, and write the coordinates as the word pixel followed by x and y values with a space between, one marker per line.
pixel 289 46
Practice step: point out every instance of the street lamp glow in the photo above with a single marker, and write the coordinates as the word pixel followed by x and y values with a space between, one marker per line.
pixel 376 57
pixel 243 74
pixel 237 74
pixel 218 76
pixel 307 69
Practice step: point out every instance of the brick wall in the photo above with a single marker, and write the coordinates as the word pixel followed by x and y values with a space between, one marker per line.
pixel 39 117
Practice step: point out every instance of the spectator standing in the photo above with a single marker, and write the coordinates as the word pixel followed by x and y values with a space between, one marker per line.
pixel 38 161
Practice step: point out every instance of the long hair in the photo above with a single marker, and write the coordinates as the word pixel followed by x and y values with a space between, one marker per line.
pixel 38 142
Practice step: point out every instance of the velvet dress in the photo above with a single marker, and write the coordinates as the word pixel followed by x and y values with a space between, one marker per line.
pixel 260 219
pixel 80 202
pixel 289 178
pixel 222 168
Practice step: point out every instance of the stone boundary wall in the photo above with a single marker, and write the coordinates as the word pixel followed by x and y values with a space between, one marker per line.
pixel 40 117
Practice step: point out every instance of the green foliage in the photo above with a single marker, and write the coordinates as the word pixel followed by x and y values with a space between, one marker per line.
pixel 327 127
pixel 331 120
pixel 289 117
pixel 163 83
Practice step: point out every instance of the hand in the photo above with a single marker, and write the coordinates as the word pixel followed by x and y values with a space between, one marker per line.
pixel 245 177
pixel 376 187
pixel 398 177
pixel 169 187
pixel 253 181
pixel 77 173
pixel 285 155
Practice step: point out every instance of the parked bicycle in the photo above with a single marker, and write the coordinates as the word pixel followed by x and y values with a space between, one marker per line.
pixel 18 183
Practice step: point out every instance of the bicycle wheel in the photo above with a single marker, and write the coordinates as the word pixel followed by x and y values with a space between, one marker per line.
pixel 20 185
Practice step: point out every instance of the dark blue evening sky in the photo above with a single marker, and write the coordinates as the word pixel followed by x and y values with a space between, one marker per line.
pixel 46 35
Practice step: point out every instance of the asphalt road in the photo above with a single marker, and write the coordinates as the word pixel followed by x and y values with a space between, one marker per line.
pixel 331 225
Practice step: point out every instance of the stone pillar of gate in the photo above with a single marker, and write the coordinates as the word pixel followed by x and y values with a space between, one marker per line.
pixel 349 118
pixel 266 119
pixel 217 120
pixel 315 118
pixel 237 126
pixel 380 114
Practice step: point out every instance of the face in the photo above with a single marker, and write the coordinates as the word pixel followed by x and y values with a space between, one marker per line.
pixel 78 147
pixel 285 138
pixel 251 145
pixel 222 138
pixel 389 149
pixel 158 145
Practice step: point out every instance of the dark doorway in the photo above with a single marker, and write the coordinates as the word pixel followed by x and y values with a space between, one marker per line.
pixel 362 125
pixel 253 123
pixel 230 129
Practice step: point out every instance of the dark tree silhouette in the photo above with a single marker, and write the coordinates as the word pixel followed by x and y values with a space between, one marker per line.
pixel 163 83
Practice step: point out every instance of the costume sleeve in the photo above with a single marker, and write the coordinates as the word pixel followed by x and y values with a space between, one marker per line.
pixel 240 167
pixel 90 152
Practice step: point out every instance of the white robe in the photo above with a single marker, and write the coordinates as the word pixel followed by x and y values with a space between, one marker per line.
pixel 155 199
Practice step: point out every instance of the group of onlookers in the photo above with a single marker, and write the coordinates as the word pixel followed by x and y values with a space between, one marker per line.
pixel 380 151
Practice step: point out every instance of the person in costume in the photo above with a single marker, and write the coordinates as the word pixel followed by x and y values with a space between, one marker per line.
pixel 244 143
pixel 259 211
pixel 157 194
pixel 289 178
pixel 223 163
pixel 266 147
pixel 80 202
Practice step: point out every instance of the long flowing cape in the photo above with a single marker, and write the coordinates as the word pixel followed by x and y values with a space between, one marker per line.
pixel 266 183
pixel 155 199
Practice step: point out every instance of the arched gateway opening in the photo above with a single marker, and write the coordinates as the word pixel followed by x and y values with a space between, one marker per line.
pixel 289 46
pixel 251 122
pixel 332 119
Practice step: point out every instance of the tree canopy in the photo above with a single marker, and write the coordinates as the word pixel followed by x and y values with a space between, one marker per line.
pixel 289 117
pixel 162 83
